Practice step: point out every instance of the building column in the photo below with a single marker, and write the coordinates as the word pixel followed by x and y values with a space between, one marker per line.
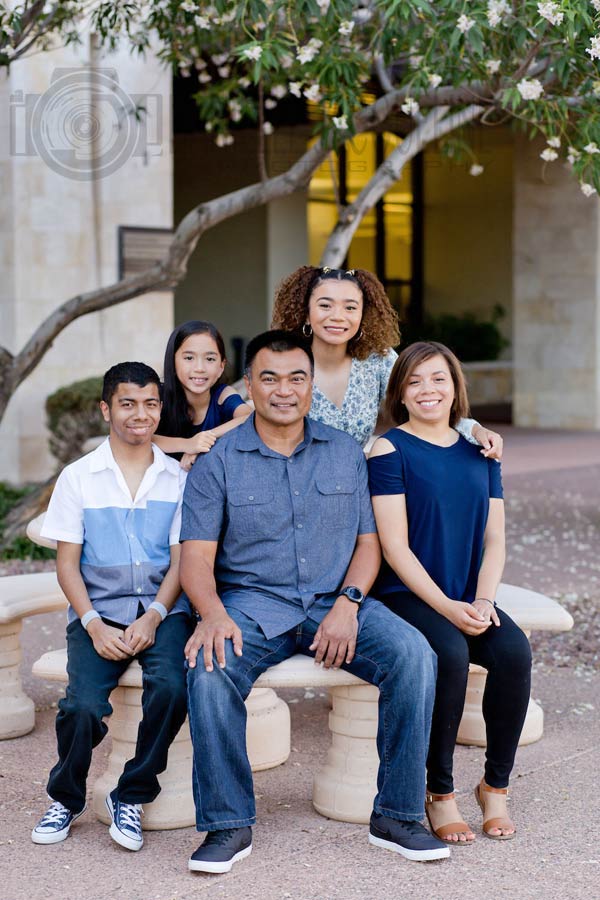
pixel 556 259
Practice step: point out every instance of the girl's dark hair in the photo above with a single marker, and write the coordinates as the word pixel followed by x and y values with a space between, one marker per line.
pixel 379 326
pixel 411 357
pixel 175 420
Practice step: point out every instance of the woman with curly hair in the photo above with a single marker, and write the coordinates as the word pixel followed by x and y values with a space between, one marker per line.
pixel 354 330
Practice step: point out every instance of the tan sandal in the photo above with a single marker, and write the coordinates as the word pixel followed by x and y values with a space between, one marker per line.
pixel 444 831
pixel 497 821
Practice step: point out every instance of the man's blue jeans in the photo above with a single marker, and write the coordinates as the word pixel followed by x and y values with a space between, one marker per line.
pixel 390 654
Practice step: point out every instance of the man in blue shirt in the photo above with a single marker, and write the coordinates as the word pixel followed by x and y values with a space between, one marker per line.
pixel 279 552
pixel 116 515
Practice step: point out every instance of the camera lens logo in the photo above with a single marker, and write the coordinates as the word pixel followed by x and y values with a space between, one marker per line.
pixel 85 126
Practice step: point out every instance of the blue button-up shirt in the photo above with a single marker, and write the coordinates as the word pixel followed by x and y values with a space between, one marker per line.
pixel 286 526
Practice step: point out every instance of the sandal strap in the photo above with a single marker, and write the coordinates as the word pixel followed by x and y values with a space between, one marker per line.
pixel 434 798
pixel 492 790
pixel 497 822
pixel 452 828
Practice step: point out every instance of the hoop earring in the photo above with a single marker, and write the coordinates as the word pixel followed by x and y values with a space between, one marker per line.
pixel 307 330
pixel 358 336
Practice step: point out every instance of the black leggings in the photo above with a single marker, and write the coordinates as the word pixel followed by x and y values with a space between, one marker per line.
pixel 506 655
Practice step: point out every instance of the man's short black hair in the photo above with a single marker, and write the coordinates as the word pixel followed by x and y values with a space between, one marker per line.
pixel 128 373
pixel 280 342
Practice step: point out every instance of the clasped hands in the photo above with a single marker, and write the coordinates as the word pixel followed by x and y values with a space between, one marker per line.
pixel 472 618
pixel 112 643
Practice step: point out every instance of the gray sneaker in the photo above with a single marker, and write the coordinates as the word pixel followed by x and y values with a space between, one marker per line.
pixel 411 839
pixel 221 849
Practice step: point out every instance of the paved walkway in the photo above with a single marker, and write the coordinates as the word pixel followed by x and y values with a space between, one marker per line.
pixel 552 483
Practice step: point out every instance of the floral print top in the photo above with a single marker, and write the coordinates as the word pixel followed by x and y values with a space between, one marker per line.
pixel 366 389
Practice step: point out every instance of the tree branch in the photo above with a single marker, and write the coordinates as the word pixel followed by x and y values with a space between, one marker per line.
pixel 172 269
pixel 434 126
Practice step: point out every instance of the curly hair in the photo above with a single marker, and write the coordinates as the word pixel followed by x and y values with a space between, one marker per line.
pixel 379 325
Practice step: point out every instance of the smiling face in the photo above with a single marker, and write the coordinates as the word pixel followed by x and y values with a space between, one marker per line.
pixel 133 413
pixel 428 392
pixel 335 311
pixel 198 364
pixel 280 386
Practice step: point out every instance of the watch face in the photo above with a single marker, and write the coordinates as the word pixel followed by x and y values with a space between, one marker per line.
pixel 354 593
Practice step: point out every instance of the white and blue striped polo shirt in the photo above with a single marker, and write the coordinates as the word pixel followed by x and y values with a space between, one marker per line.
pixel 125 542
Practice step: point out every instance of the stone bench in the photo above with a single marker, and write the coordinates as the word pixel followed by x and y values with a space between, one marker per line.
pixel 21 596
pixel 345 785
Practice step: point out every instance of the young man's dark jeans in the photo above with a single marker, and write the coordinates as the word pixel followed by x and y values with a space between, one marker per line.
pixel 79 725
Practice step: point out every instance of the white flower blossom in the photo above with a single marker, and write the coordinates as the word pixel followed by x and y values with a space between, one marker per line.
pixel 497 10
pixel 587 189
pixel 434 80
pixel 204 78
pixel 415 60
pixel 235 110
pixel 548 154
pixel 464 23
pixel 493 66
pixel 551 12
pixel 410 107
pixel 312 93
pixel 340 122
pixel 554 142
pixel 254 52
pixel 346 27
pixel 279 91
pixel 592 147
pixel 475 170
pixel 224 140
pixel 184 71
pixel 308 52
pixel 530 88
pixel 224 71
pixel 596 5
pixel 573 155
pixel 220 59
pixel 296 88
pixel 209 126
pixel 596 88
pixel 323 5
pixel 202 21
pixel 189 7
pixel 270 104
pixel 244 82
pixel 594 49
pixel 228 17
pixel 268 128
pixel 286 61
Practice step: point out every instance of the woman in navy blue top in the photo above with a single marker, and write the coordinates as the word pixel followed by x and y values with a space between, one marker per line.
pixel 440 517
pixel 197 408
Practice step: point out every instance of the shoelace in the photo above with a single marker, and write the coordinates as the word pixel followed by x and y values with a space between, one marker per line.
pixel 54 815
pixel 414 827
pixel 219 837
pixel 129 816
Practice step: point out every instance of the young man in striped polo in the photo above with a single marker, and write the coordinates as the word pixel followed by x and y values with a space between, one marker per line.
pixel 116 516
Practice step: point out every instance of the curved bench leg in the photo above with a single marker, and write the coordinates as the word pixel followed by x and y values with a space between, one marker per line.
pixel 17 711
pixel 268 736
pixel 472 727
pixel 345 787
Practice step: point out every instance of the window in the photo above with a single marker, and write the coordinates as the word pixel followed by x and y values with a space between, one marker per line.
pixel 388 241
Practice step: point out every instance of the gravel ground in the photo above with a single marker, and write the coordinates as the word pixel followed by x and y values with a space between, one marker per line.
pixel 553 543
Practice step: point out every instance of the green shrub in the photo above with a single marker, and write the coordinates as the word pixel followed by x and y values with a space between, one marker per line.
pixel 21 547
pixel 73 417
pixel 467 336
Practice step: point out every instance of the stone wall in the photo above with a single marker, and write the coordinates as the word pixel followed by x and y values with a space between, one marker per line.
pixel 59 235
pixel 556 340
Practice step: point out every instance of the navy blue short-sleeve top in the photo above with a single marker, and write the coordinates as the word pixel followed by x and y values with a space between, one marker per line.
pixel 447 490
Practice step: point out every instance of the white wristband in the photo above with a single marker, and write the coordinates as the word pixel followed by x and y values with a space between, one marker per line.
pixel 160 609
pixel 88 617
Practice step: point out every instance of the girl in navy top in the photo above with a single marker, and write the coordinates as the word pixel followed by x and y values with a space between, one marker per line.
pixel 197 408
pixel 440 517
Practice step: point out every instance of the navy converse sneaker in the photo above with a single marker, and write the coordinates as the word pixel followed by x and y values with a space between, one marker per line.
pixel 55 824
pixel 220 849
pixel 411 839
pixel 126 827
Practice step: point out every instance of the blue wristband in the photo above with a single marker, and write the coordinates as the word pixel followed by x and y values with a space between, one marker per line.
pixel 88 617
pixel 160 609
